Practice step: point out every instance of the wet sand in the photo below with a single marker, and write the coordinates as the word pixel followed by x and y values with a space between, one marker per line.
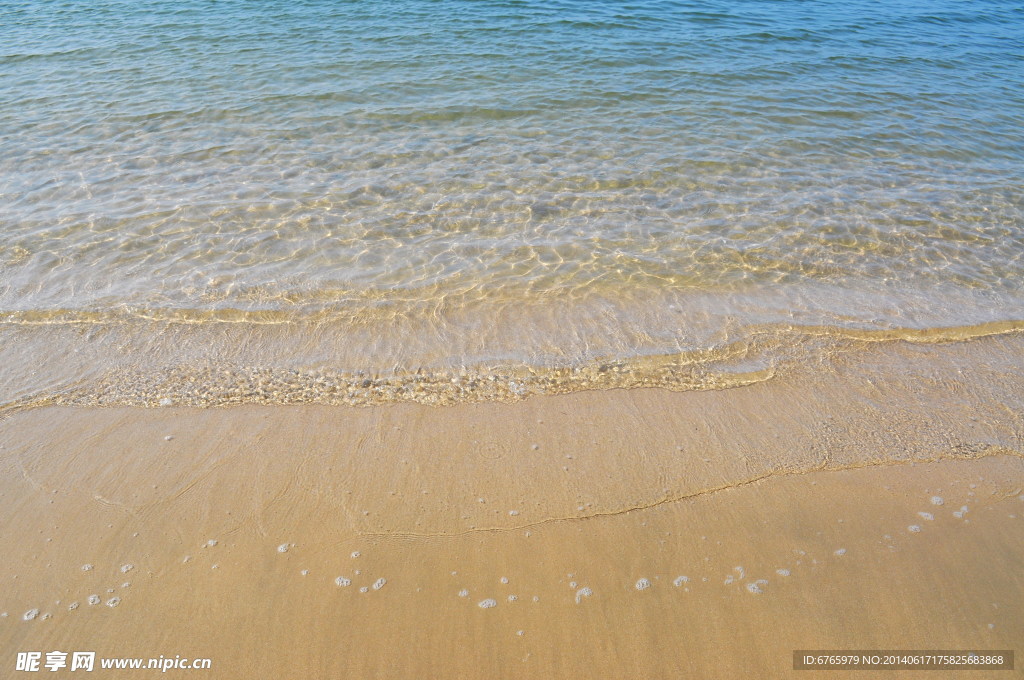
pixel 876 502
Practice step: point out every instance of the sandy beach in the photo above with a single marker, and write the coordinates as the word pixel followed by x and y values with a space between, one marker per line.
pixel 874 503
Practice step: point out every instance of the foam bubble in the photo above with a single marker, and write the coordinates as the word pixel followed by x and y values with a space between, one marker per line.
pixel 283 548
pixel 463 593
pixel 643 584
pixel 504 579
pixel 45 616
pixel 355 554
pixel 166 401
pixel 513 513
pixel 30 614
pixel 754 588
pixel 73 606
pixel 680 580
pixel 87 567
pixel 125 568
pixel 572 584
pixel 342 581
pixel 93 599
pixel 782 572
pixel 840 552
pixel 212 542
pixel 304 572
pixel 379 583
pixel 113 602
pixel 512 598
pixel 364 589
pixel 937 500
pixel 926 515
pixel 729 580
pixel 585 592
pixel 487 604
pixel 520 633
pixel 914 528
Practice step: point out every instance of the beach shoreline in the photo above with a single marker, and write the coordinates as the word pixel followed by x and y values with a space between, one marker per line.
pixel 663 534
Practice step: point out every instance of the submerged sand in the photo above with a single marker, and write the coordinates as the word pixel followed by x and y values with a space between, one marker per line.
pixel 875 502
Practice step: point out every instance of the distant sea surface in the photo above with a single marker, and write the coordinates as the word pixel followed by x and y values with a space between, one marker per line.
pixel 218 202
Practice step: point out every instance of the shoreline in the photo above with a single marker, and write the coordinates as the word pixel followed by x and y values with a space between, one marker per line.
pixel 246 534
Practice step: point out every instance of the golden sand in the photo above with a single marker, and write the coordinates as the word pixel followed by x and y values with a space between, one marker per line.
pixel 609 534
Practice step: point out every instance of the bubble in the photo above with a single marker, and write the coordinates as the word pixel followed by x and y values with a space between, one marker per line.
pixel 342 582
pixel 168 438
pixel 487 604
pixel 87 567
pixel 304 572
pixel 73 606
pixel 914 528
pixel 680 580
pixel 212 542
pixel 166 401
pixel 840 552
pixel 45 616
pixel 30 614
pixel 364 589
pixel 782 572
pixel 520 633
pixel 536 598
pixel 113 602
pixel 572 584
pixel 504 579
pixel 757 587
pixel 729 580
pixel 463 593
pixel 93 599
pixel 581 593
pixel 125 568
pixel 643 584
pixel 512 598
pixel 513 513
pixel 379 583
pixel 937 500
pixel 355 554
pixel 283 548
pixel 926 515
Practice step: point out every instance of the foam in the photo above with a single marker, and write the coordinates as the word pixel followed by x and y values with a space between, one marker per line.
pixel 125 568
pixel 926 515
pixel 93 599
pixel 914 528
pixel 643 584
pixel 937 500
pixel 757 587
pixel 379 583
pixel 30 614
pixel 463 593
pixel 680 580
pixel 283 548
pixel 87 567
pixel 487 604
pixel 782 572
pixel 840 552
pixel 342 582
pixel 113 602
pixel 580 594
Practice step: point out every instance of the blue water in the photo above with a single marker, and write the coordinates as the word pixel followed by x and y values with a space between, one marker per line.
pixel 545 182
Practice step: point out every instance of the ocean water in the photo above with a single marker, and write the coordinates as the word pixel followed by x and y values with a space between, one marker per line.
pixel 210 202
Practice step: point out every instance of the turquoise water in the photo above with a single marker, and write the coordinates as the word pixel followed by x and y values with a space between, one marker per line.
pixel 326 187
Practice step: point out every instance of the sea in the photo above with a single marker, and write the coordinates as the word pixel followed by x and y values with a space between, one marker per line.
pixel 211 202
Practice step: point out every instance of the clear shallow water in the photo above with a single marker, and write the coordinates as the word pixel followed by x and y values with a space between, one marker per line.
pixel 317 189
